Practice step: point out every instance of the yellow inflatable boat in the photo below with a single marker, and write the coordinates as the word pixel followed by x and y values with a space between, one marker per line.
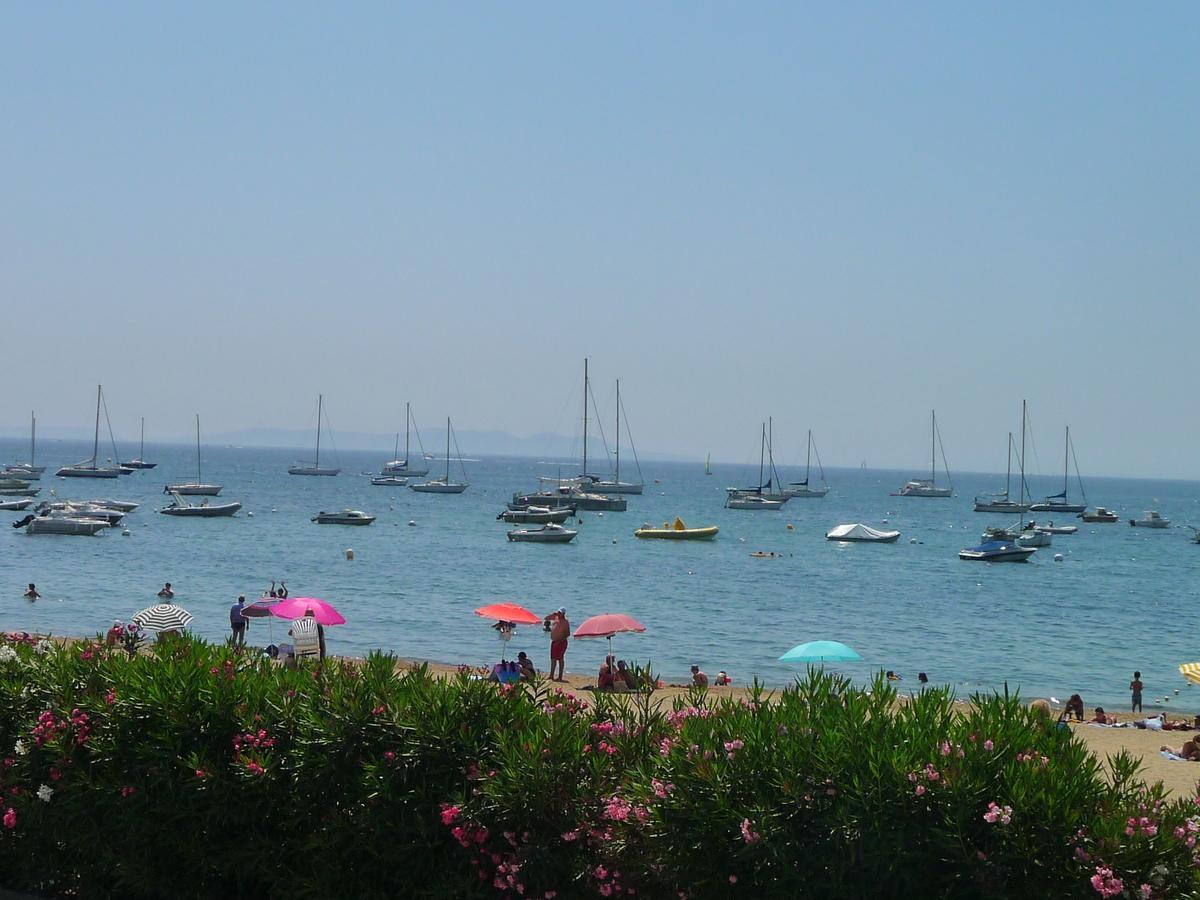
pixel 677 531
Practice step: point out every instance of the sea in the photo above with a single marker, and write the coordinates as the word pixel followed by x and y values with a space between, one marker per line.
pixel 1119 599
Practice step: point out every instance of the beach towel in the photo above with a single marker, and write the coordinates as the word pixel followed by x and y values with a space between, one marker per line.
pixel 1174 757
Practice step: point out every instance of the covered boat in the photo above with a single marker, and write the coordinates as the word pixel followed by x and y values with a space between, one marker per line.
pixel 862 533
pixel 60 525
pixel 678 531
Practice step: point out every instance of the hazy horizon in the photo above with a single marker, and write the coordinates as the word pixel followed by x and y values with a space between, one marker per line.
pixel 842 217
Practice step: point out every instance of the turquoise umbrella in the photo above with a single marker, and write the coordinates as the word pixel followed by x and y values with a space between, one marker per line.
pixel 820 651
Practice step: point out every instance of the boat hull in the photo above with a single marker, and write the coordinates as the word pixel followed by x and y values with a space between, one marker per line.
pixel 934 493
pixel 805 493
pixel 615 487
pixel 313 470
pixel 87 472
pixel 538 517
pixel 742 503
pixel 1141 523
pixel 1001 506
pixel 678 534
pixel 343 520
pixel 403 470
pixel 194 490
pixel 558 536
pixel 438 487
pixel 1058 507
pixel 15 505
pixel 389 481
pixel 203 512
pixel 139 464
pixel 52 525
pixel 1001 553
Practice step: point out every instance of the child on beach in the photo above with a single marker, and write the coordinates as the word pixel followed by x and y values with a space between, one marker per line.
pixel 1135 688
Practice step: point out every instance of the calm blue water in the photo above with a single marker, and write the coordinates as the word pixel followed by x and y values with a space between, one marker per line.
pixel 1121 600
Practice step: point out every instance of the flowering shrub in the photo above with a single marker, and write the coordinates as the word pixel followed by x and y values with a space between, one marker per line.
pixel 257 780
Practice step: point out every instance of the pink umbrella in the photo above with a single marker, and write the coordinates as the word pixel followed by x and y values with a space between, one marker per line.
pixel 607 625
pixel 297 607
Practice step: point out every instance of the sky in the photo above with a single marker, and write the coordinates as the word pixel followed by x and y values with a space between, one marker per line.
pixel 839 215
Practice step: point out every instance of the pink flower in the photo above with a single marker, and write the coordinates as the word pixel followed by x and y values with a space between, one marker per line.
pixel 748 833
pixel 570 836
pixel 920 789
pixel 450 815
pixel 254 768
pixel 988 745
pixel 128 791
pixel 10 818
pixel 945 748
pixel 110 698
pixel 379 710
pixel 733 879
pixel 1105 883
pixel 200 773
pixel 389 756
pixel 550 895
pixel 1147 891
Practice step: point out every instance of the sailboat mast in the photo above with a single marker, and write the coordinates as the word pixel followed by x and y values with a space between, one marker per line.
pixel 199 479
pixel 808 458
pixel 1022 459
pixel 932 448
pixel 1008 471
pixel 1066 460
pixel 761 447
pixel 142 442
pixel 96 436
pixel 447 449
pixel 32 436
pixel 618 478
pixel 320 400
pixel 407 420
pixel 585 416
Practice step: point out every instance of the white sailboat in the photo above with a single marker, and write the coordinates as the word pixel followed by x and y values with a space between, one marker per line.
pixel 88 468
pixel 404 467
pixel 708 464
pixel 803 489
pixel 615 485
pixel 927 487
pixel 1002 503
pixel 195 488
pixel 28 471
pixel 754 498
pixel 140 462
pixel 315 468
pixel 444 485
pixel 1059 502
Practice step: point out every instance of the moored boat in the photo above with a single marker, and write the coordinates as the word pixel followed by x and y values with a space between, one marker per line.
pixel 315 467
pixel 15 505
pixel 859 533
pixel 928 487
pixel 678 531
pixel 1100 515
pixel 345 517
pixel 389 480
pixel 997 551
pixel 1152 518
pixel 547 534
pixel 537 515
pixel 60 525
pixel 204 510
pixel 444 485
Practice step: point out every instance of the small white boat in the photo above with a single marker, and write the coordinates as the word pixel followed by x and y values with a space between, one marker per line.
pixel 21 472
pixel 389 480
pixel 404 467
pixel 443 485
pixel 67 509
pixel 857 532
pixel 181 507
pixel 12 483
pixel 345 517
pixel 997 551
pixel 60 525
pixel 15 505
pixel 753 501
pixel 547 534
pixel 537 515
pixel 927 487
pixel 315 467
pixel 1152 518
pixel 1051 528
pixel 1033 538
pixel 125 506
pixel 802 490
pixel 28 470
pixel 197 488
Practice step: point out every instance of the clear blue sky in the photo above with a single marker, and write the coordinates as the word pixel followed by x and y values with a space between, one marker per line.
pixel 839 215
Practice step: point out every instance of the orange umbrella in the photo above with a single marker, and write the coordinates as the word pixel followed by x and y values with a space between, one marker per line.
pixel 509 612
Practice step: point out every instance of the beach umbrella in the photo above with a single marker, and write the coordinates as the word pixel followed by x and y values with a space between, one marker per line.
pixel 163 617
pixel 298 607
pixel 509 612
pixel 259 609
pixel 821 651
pixel 1191 671
pixel 605 626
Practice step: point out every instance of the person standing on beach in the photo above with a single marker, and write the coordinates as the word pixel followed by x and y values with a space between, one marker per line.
pixel 238 622
pixel 166 593
pixel 1135 688
pixel 560 632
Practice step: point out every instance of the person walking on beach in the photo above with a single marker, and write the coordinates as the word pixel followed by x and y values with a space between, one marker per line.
pixel 31 592
pixel 166 593
pixel 238 622
pixel 1135 688
pixel 560 632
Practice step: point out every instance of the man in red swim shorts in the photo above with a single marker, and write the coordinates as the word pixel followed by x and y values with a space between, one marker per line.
pixel 560 631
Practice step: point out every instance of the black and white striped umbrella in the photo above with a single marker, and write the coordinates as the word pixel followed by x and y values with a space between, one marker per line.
pixel 163 617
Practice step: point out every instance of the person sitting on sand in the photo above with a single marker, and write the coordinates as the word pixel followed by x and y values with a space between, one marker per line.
pixel 166 593
pixel 1189 751
pixel 723 679
pixel 606 680
pixel 31 593
pixel 625 675
pixel 699 679
pixel 525 664
pixel 1074 708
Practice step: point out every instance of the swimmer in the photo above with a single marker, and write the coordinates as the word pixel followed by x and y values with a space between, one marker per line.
pixel 31 592
pixel 166 593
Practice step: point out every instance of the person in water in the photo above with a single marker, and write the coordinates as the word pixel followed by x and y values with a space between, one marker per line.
pixel 166 593
pixel 31 593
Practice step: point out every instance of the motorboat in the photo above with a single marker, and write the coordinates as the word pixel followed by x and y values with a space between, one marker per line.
pixel 315 467
pixel 537 515
pixel 88 467
pixel 60 525
pixel 857 532
pixel 21 472
pixel 997 551
pixel 547 534
pixel 678 531
pixel 567 492
pixel 15 505
pixel 1152 518
pixel 1100 515
pixel 125 506
pixel 389 480
pixel 1000 533
pixel 927 487
pixel 180 506
pixel 611 486
pixel 444 485
pixel 1031 537
pixel 140 462
pixel 1051 528
pixel 12 487
pixel 69 509
pixel 753 501
pixel 11 482
pixel 545 499
pixel 345 517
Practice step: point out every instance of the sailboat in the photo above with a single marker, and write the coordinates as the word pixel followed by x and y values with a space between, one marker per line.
pixel 88 468
pixel 764 490
pixel 140 462
pixel 616 485
pixel 444 485
pixel 803 489
pixel 1059 502
pixel 927 487
pixel 403 467
pixel 708 464
pixel 195 488
pixel 315 468
pixel 28 471
pixel 753 498
pixel 1002 503
pixel 1020 534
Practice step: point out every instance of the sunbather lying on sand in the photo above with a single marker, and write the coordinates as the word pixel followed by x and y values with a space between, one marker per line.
pixel 1190 749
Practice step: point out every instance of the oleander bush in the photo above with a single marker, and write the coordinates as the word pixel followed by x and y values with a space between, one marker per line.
pixel 195 770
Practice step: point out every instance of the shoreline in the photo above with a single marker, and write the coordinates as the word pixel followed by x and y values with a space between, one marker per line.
pixel 1179 779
